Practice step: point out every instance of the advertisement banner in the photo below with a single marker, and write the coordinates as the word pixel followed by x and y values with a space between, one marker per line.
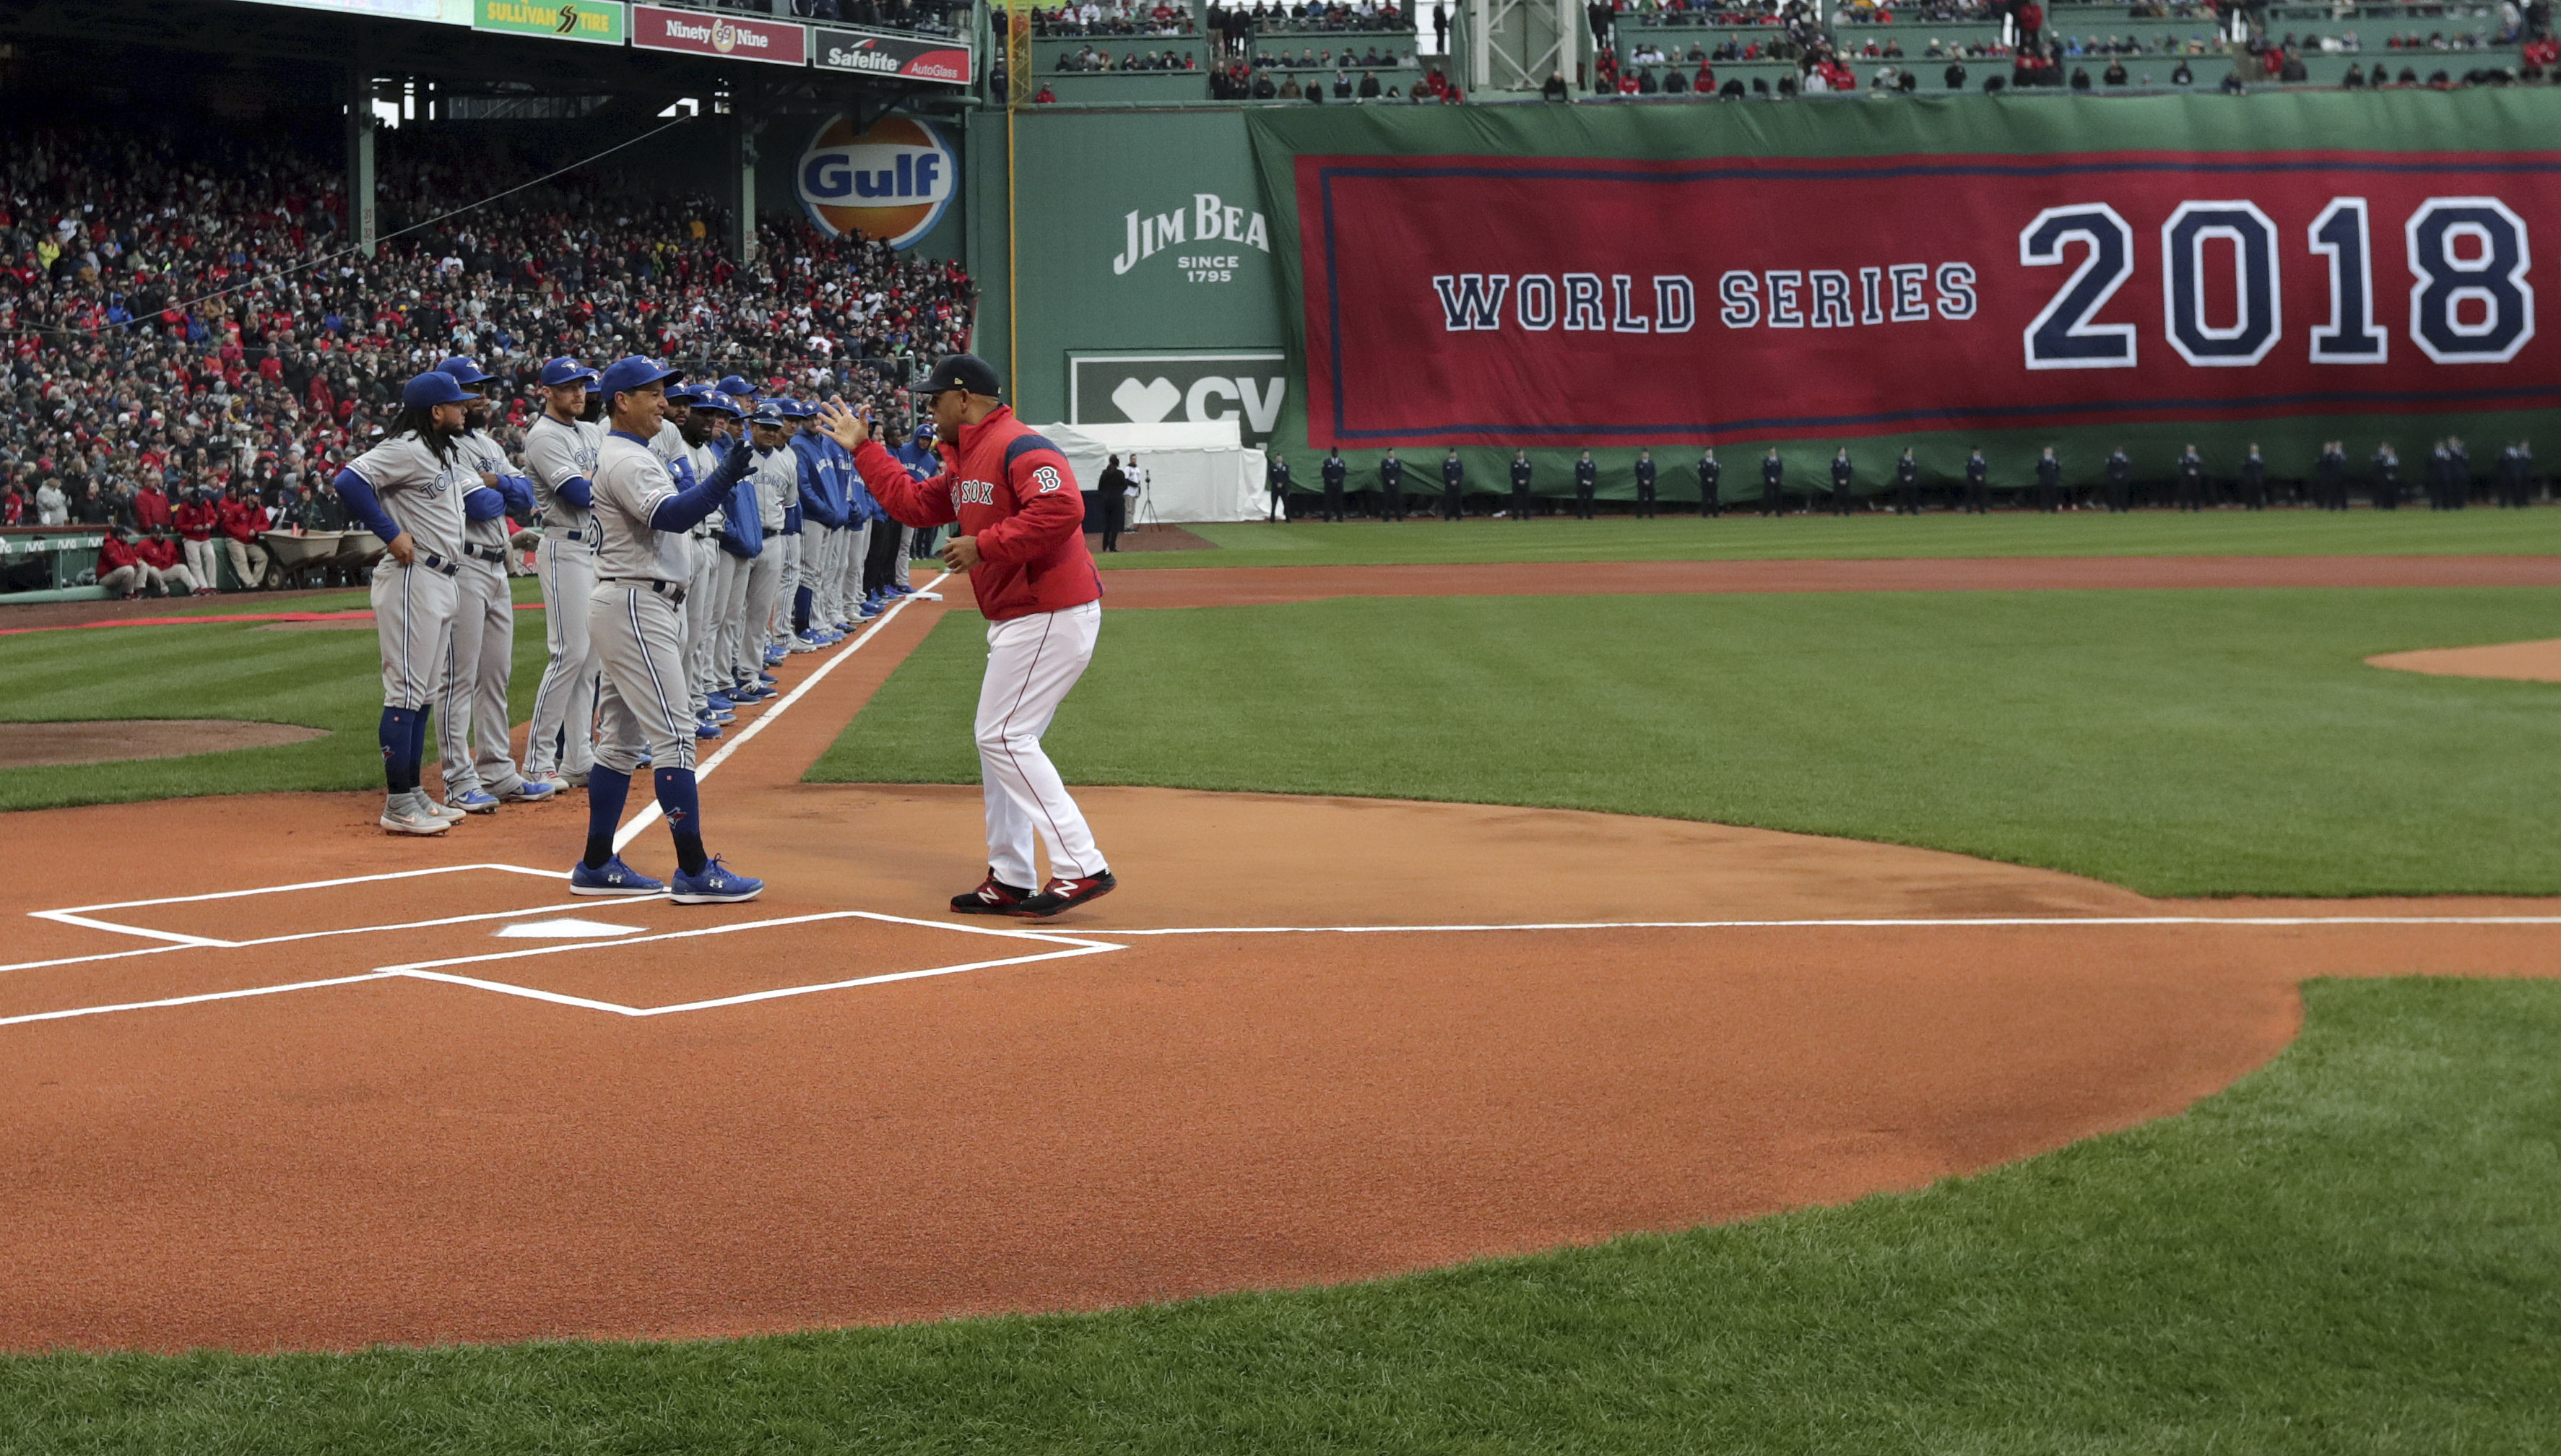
pixel 1180 388
pixel 1586 295
pixel 438 12
pixel 596 21
pixel 730 37
pixel 907 57
pixel 890 183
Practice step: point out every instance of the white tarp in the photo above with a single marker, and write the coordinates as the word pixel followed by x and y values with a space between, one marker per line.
pixel 1195 472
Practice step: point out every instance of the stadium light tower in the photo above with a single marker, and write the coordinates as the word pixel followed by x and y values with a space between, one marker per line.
pixel 1514 45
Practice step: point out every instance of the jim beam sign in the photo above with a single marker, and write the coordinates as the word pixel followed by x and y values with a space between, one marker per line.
pixel 1158 388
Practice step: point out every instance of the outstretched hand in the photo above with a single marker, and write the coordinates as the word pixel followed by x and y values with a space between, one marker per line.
pixel 843 425
pixel 961 552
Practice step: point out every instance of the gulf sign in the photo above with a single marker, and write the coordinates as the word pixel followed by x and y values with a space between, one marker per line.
pixel 731 38
pixel 888 184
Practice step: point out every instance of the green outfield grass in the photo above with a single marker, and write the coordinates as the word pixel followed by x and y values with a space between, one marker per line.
pixel 1677 538
pixel 2177 743
pixel 2356 1252
pixel 324 679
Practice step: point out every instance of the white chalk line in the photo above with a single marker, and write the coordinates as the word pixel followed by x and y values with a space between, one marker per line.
pixel 650 813
pixel 180 941
pixel 1069 947
pixel 1911 924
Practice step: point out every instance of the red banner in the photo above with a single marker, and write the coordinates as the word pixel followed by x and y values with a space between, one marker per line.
pixel 1549 301
pixel 709 33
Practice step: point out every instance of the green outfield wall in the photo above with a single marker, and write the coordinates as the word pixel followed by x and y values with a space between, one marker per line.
pixel 1126 312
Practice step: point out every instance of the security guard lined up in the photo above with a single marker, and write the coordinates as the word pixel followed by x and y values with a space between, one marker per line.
pixel 1336 472
pixel 1586 484
pixel 1521 499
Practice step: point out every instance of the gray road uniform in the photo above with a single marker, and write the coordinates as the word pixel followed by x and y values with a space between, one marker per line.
pixel 414 606
pixel 776 473
pixel 636 613
pixel 710 594
pixel 556 456
pixel 684 466
pixel 471 731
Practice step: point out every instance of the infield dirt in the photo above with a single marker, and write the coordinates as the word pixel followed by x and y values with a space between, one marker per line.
pixel 401 1160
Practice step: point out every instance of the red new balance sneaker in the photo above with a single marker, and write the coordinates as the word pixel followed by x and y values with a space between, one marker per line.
pixel 995 897
pixel 1059 895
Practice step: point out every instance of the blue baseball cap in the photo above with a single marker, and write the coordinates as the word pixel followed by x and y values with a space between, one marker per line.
pixel 566 370
pixel 633 373
pixel 686 395
pixel 798 409
pixel 736 387
pixel 715 399
pixel 770 412
pixel 433 388
pixel 464 372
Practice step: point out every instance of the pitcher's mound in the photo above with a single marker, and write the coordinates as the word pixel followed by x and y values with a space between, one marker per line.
pixel 30 744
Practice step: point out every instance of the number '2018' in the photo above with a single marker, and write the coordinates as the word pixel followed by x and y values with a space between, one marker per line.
pixel 2469 302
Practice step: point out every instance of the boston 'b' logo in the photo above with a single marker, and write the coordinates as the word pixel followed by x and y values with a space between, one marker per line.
pixel 1048 477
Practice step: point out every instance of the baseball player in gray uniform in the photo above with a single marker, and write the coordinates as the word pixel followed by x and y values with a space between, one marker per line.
pixel 560 452
pixel 710 411
pixel 479 763
pixel 644 557
pixel 674 443
pixel 776 473
pixel 409 491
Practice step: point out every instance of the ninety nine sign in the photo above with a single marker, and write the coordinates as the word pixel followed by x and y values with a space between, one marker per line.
pixel 598 21
pixel 709 33
pixel 946 61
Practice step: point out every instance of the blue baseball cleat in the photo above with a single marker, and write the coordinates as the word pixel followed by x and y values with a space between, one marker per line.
pixel 715 886
pixel 704 728
pixel 612 878
pixel 721 714
pixel 767 679
pixel 530 791
pixel 717 702
pixel 473 801
pixel 775 653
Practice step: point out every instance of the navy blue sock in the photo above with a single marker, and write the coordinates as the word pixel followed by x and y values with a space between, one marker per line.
pixel 800 608
pixel 400 764
pixel 606 791
pixel 418 747
pixel 684 810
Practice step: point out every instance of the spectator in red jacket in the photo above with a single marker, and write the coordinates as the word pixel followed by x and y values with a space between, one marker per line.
pixel 159 552
pixel 198 519
pixel 150 508
pixel 243 519
pixel 119 568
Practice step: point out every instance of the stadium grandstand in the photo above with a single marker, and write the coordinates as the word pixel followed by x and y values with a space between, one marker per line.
pixel 1201 727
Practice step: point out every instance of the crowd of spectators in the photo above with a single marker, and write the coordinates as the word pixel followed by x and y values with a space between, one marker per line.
pixel 1089 58
pixel 931 17
pixel 1120 18
pixel 184 320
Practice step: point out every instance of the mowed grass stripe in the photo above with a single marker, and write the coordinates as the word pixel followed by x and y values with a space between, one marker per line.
pixel 2177 743
pixel 1679 537
pixel 2355 1250
pixel 329 679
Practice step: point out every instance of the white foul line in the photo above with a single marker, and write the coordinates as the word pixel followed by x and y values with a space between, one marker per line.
pixel 54 1016
pixel 649 813
pixel 1914 924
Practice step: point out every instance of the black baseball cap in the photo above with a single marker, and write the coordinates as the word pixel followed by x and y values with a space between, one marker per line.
pixel 961 372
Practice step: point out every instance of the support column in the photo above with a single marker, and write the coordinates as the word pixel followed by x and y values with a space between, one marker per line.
pixel 741 166
pixel 360 218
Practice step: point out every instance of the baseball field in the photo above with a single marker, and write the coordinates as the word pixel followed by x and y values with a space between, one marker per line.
pixel 2028 984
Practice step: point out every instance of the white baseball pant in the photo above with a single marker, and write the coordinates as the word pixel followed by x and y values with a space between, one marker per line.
pixel 640 638
pixel 480 660
pixel 562 738
pixel 755 628
pixel 413 621
pixel 858 547
pixel 1032 662
pixel 778 632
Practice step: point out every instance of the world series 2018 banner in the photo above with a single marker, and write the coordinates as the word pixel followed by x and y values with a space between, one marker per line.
pixel 1936 273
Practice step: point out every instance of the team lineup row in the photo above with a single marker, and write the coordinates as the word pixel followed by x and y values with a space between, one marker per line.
pixel 2449 482
pixel 691 538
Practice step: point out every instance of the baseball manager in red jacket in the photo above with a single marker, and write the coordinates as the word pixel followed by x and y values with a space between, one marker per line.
pixel 1021 539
